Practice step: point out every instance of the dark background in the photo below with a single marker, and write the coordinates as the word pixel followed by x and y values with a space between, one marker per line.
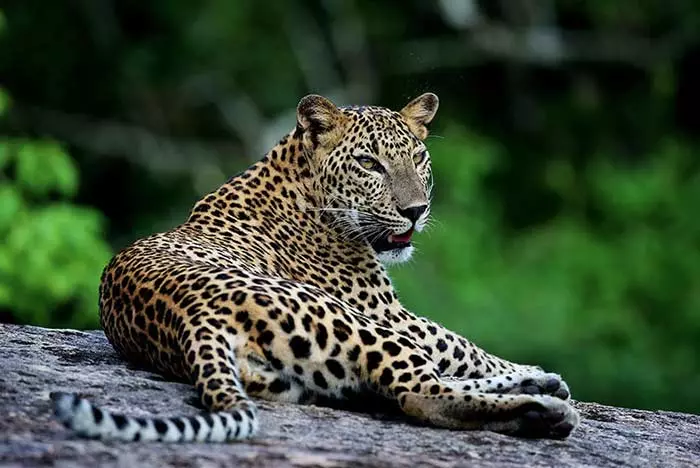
pixel 565 155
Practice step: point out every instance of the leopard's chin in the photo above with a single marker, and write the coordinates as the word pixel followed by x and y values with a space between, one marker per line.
pixel 396 255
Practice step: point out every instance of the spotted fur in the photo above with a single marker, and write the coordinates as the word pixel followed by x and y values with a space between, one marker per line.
pixel 275 288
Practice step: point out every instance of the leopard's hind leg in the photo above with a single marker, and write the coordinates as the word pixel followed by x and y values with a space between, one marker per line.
pixel 213 368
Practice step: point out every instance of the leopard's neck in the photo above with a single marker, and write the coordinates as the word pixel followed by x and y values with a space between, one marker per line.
pixel 273 208
pixel 276 190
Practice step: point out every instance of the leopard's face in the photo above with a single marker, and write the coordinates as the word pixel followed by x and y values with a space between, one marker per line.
pixel 374 180
pixel 377 182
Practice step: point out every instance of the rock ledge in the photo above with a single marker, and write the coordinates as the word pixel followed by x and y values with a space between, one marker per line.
pixel 37 360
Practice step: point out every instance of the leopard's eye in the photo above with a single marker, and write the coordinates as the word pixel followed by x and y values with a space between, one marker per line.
pixel 419 157
pixel 368 163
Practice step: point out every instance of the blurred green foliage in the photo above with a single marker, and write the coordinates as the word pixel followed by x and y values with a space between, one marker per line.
pixel 614 307
pixel 565 156
pixel 53 251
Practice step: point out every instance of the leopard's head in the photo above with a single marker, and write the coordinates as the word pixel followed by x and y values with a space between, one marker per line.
pixel 371 169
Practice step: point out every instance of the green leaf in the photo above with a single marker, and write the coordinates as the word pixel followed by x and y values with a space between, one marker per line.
pixel 64 170
pixel 10 205
pixel 43 168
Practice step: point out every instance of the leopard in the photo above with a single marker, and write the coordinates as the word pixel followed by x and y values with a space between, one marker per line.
pixel 276 287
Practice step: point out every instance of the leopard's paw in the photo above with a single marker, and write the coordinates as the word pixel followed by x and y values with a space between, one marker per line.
pixel 544 417
pixel 545 383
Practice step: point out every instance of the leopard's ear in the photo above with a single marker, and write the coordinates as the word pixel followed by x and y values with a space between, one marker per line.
pixel 420 112
pixel 320 119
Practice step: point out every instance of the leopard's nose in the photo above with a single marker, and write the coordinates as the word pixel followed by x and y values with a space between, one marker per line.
pixel 413 212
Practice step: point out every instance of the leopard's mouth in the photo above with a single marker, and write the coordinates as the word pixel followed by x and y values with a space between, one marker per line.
pixel 393 241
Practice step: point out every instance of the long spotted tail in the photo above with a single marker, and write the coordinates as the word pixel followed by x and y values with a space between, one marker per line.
pixel 91 422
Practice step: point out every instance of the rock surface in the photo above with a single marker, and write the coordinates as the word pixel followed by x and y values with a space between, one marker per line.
pixel 36 361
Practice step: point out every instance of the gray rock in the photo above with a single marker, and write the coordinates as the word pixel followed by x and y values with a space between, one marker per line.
pixel 36 361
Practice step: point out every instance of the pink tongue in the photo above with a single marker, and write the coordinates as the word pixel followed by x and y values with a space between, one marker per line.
pixel 405 237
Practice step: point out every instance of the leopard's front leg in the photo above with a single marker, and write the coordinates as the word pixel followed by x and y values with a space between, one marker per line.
pixel 305 339
pixel 526 382
pixel 459 360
